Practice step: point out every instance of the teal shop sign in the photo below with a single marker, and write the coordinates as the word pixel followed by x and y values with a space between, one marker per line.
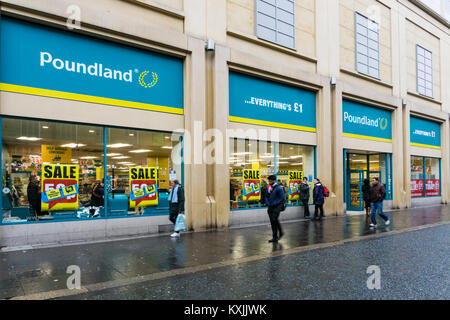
pixel 424 133
pixel 364 122
pixel 267 103
pixel 46 61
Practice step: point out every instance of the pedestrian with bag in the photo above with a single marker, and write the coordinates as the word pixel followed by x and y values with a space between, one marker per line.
pixel 366 190
pixel 319 194
pixel 304 197
pixel 176 205
pixel 275 200
pixel 378 193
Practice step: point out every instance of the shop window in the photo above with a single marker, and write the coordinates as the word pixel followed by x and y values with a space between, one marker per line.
pixel 367 46
pixel 257 156
pixel 417 181
pixel 275 21
pixel 38 156
pixel 266 158
pixel 432 177
pixel 139 159
pixel 425 177
pixel 294 158
pixel 424 71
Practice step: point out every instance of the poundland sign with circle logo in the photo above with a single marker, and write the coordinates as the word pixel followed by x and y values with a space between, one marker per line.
pixel 45 61
pixel 365 122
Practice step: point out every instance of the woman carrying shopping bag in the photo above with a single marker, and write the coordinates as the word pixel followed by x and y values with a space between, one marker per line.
pixel 176 207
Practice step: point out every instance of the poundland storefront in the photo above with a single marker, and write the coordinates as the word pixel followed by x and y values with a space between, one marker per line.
pixel 425 141
pixel 367 134
pixel 56 152
pixel 266 103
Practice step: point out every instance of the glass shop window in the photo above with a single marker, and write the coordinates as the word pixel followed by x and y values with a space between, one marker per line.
pixel 294 161
pixel 141 166
pixel 49 170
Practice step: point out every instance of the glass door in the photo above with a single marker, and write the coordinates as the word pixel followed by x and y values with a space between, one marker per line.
pixel 356 180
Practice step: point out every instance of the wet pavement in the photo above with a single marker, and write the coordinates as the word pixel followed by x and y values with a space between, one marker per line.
pixel 40 270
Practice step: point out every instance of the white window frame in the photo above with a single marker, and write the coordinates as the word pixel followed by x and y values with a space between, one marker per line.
pixel 276 20
pixel 425 72
pixel 378 77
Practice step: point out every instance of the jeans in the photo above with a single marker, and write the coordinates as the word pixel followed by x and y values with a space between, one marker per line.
pixel 377 207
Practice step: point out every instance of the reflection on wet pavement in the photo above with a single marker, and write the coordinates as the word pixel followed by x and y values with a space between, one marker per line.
pixel 33 271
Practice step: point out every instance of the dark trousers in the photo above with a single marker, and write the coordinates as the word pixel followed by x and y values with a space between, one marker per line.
pixel 319 207
pixel 306 207
pixel 274 213
pixel 173 212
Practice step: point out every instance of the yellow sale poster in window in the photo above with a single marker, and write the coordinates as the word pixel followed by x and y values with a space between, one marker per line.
pixel 143 186
pixel 295 179
pixel 251 181
pixel 56 154
pixel 55 179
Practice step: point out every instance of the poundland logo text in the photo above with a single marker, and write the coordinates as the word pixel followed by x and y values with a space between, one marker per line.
pixel 96 69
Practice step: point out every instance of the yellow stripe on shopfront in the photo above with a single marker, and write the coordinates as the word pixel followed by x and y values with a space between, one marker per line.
pixel 424 146
pixel 271 124
pixel 357 136
pixel 87 98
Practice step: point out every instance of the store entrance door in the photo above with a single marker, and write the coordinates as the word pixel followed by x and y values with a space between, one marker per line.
pixel 356 180
pixel 361 165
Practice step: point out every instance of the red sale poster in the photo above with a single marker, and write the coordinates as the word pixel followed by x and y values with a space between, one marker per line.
pixel 417 188
pixel 433 187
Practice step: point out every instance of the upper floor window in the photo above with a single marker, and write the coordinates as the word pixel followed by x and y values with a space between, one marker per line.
pixel 424 72
pixel 367 46
pixel 275 21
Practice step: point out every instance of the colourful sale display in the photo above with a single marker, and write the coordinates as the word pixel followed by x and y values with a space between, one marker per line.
pixel 143 187
pixel 432 187
pixel 59 189
pixel 251 181
pixel 417 188
pixel 295 179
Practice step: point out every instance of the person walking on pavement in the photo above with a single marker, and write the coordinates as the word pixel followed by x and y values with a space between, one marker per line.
pixel 304 197
pixel 319 199
pixel 176 204
pixel 275 202
pixel 378 193
pixel 366 196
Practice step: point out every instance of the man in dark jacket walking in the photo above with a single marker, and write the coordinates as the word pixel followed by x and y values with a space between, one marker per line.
pixel 304 197
pixel 275 202
pixel 319 199
pixel 378 193
pixel 176 204
pixel 366 188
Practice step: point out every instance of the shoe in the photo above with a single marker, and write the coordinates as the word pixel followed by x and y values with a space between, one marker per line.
pixel 281 235
pixel 388 222
pixel 175 235
pixel 373 225
pixel 307 217
pixel 273 240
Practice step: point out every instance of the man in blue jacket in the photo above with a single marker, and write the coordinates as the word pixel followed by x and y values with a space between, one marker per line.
pixel 275 202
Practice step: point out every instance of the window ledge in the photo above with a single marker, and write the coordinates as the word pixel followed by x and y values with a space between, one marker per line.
pixel 417 95
pixel 362 76
pixel 252 38
pixel 159 7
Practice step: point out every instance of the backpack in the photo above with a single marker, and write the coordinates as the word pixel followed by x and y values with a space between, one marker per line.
pixel 283 204
pixel 326 192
